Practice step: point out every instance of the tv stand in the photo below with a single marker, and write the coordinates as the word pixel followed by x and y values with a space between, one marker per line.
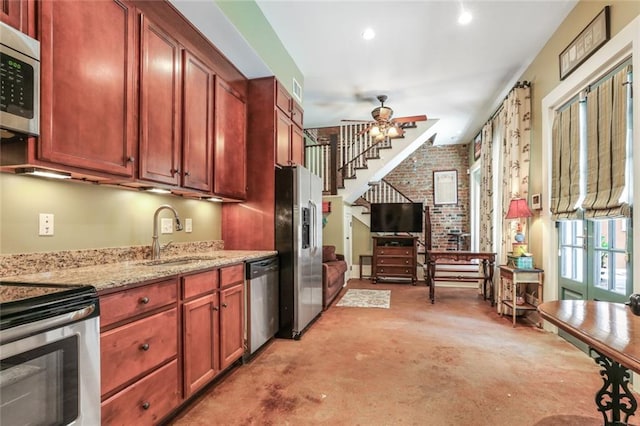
pixel 395 258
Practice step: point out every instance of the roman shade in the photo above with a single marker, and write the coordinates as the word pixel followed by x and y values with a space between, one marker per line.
pixel 565 163
pixel 607 139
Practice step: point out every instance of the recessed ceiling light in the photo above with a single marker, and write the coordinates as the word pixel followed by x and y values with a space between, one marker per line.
pixel 465 17
pixel 368 34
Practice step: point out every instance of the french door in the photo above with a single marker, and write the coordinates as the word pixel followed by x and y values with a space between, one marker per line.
pixel 595 261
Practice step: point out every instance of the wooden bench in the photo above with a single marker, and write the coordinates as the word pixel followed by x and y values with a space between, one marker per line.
pixel 486 275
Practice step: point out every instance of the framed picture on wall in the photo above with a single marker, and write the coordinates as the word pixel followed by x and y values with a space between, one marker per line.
pixel 445 187
pixel 585 44
pixel 477 146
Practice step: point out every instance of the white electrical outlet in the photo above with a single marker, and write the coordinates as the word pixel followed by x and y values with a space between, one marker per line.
pixel 45 224
pixel 188 225
pixel 166 225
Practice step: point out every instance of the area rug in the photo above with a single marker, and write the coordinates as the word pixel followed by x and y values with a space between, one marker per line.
pixel 358 298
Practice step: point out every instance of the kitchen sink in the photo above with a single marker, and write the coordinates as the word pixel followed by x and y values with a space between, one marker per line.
pixel 179 261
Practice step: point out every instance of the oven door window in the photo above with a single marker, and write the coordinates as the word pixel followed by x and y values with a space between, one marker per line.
pixel 40 386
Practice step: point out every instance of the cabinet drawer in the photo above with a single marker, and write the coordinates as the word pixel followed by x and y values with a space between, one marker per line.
pixel 395 261
pixel 394 270
pixel 231 274
pixel 394 251
pixel 128 303
pixel 526 277
pixel 129 351
pixel 145 402
pixel 197 284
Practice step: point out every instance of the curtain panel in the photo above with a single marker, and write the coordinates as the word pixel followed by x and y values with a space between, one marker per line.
pixel 565 163
pixel 515 156
pixel 486 189
pixel 607 113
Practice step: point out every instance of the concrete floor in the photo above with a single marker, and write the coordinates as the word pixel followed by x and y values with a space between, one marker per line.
pixel 456 362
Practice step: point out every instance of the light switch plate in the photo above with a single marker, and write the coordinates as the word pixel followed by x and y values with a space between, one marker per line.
pixel 166 225
pixel 188 225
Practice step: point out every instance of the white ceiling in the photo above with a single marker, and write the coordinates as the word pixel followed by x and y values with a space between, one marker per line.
pixel 420 58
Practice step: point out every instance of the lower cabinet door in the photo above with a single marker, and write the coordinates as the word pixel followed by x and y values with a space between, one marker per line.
pixel 201 335
pixel 231 325
pixel 146 401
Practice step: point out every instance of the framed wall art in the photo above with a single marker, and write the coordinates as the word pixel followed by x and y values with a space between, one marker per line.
pixel 585 44
pixel 445 187
pixel 536 204
pixel 477 146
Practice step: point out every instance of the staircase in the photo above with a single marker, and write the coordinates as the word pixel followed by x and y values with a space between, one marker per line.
pixel 354 165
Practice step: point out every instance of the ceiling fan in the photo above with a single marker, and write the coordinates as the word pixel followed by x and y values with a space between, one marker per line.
pixel 384 126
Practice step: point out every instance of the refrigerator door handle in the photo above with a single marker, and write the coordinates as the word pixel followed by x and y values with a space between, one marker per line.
pixel 314 223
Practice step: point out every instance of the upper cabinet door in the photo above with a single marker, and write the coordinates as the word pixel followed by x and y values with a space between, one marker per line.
pixel 87 85
pixel 197 124
pixel 230 170
pixel 160 89
pixel 16 14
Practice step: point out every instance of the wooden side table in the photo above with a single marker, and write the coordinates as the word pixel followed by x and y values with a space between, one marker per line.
pixel 369 259
pixel 518 277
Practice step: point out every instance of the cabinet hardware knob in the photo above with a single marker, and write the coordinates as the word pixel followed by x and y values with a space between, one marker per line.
pixel 146 405
pixel 187 174
pixel 175 171
pixel 144 347
pixel 131 159
pixel 144 300
pixel 216 308
pixel 224 305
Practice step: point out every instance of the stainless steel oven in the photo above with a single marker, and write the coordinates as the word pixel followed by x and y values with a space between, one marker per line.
pixel 49 355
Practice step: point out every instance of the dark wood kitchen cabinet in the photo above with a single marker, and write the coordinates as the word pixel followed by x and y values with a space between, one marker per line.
pixel 160 105
pixel 19 14
pixel 230 169
pixel 198 113
pixel 250 225
pixel 139 346
pixel 88 69
pixel 289 136
pixel 213 324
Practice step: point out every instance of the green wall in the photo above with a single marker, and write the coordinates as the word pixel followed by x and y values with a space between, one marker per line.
pixel 92 216
pixel 247 17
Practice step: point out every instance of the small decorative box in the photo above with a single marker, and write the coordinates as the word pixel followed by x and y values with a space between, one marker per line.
pixel 520 262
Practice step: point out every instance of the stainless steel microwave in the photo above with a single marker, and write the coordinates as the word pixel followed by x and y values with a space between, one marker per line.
pixel 19 83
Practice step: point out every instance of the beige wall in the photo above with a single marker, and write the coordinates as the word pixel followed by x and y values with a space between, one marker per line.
pixel 91 216
pixel 333 230
pixel 544 76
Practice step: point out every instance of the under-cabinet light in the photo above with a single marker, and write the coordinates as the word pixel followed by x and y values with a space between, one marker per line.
pixel 33 171
pixel 157 190
pixel 213 199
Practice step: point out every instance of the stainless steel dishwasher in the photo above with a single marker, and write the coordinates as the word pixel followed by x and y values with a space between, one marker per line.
pixel 262 302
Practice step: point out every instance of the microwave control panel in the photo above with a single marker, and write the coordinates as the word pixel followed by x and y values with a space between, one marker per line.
pixel 16 86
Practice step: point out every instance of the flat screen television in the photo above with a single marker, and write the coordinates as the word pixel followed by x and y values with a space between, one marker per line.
pixel 396 217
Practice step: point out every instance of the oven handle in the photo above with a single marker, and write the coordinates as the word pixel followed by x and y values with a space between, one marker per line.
pixel 25 330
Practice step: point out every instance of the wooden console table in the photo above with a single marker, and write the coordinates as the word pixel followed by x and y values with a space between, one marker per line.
pixel 612 332
pixel 488 263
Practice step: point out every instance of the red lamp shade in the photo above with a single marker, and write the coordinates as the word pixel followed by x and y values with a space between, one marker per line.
pixel 518 208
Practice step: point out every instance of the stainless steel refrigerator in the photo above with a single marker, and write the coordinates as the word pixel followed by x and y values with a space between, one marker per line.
pixel 298 218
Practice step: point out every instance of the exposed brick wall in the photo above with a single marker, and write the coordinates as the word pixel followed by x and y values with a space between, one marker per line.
pixel 414 178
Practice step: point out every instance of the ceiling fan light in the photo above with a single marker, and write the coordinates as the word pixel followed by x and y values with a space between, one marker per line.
pixel 380 137
pixel 382 113
pixel 374 131
pixel 393 132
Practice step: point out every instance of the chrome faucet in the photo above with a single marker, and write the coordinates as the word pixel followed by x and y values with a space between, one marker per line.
pixel 155 245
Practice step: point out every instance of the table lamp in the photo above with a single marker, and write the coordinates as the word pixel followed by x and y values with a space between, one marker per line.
pixel 518 209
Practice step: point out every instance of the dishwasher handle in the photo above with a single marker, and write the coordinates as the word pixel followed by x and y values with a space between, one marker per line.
pixel 262 267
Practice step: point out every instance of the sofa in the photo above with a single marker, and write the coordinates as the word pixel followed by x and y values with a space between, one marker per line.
pixel 333 270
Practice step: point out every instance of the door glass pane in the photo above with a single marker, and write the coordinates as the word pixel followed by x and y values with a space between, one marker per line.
pixel 619 234
pixel 601 269
pixel 619 265
pixel 578 261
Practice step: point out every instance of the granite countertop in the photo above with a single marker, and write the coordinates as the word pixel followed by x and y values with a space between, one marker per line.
pixel 113 275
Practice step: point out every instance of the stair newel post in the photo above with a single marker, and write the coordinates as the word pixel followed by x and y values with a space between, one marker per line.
pixel 333 163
